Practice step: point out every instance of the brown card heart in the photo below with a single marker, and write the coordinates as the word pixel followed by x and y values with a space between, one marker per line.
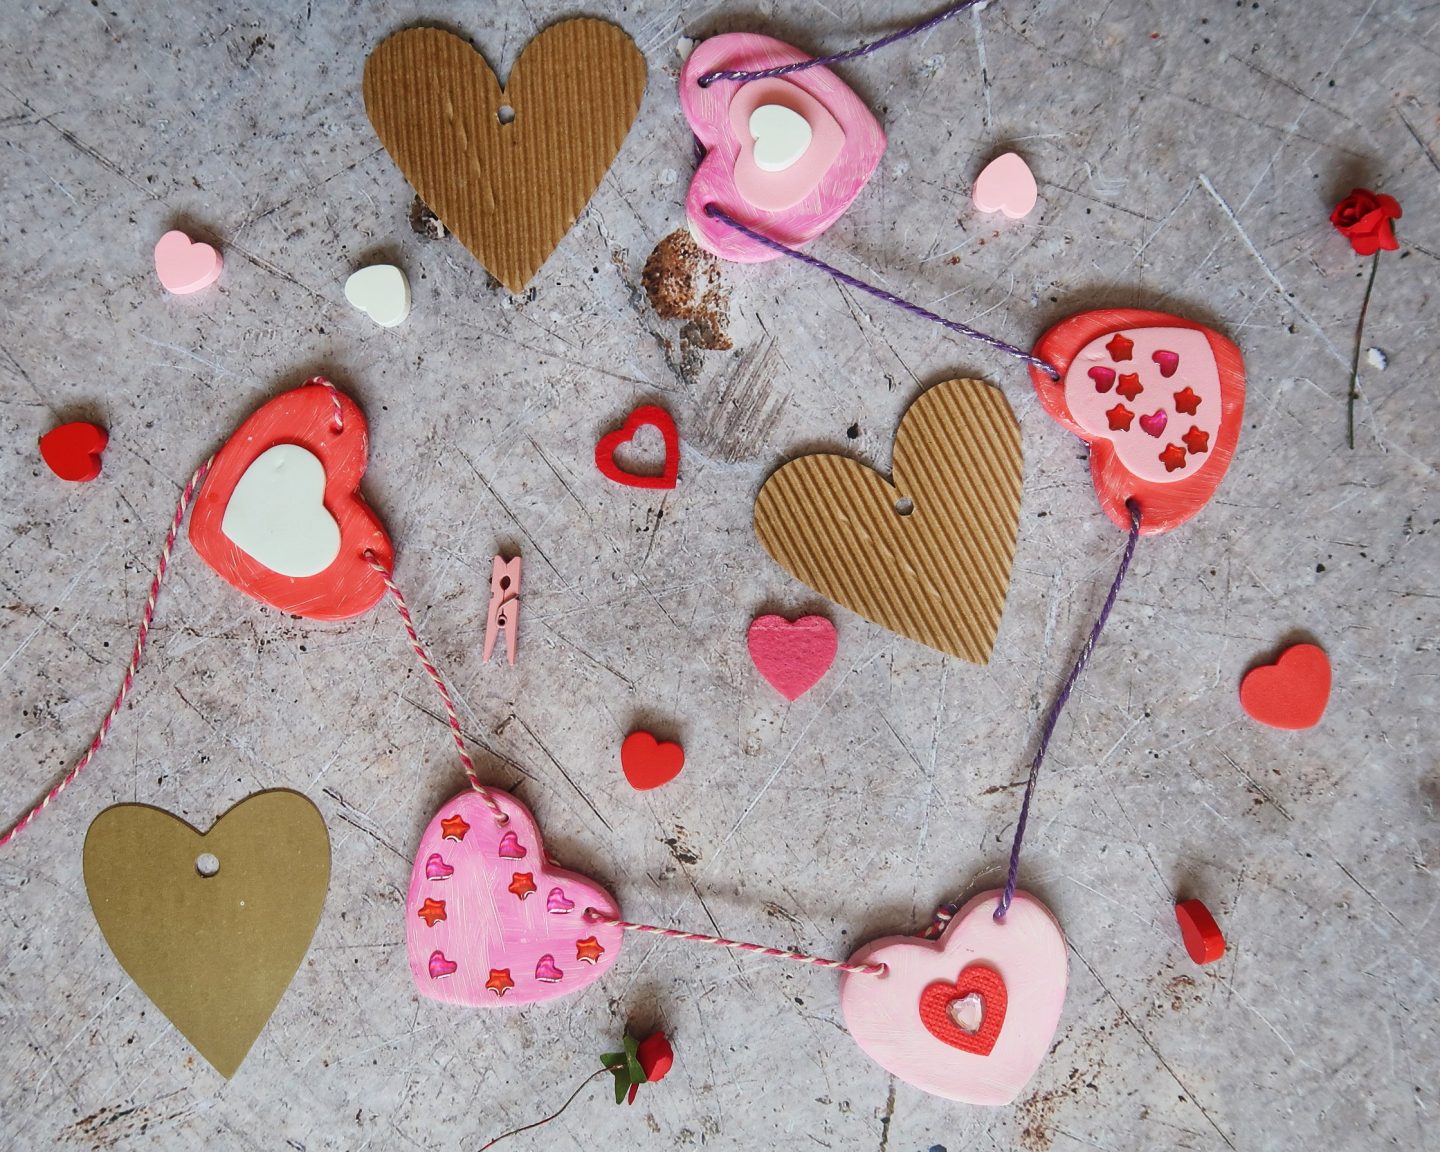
pixel 926 554
pixel 215 953
pixel 509 191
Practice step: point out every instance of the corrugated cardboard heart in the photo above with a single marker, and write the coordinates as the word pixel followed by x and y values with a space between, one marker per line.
pixel 938 573
pixel 215 953
pixel 509 191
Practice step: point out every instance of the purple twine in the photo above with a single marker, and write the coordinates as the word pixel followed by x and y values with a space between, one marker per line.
pixel 864 50
pixel 1048 730
pixel 880 294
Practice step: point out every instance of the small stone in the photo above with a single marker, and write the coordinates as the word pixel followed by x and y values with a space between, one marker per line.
pixel 1377 359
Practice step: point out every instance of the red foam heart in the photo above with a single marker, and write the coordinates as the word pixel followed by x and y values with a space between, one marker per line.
pixel 656 417
pixel 1168 497
pixel 1292 692
pixel 649 763
pixel 73 450
pixel 974 980
pixel 339 438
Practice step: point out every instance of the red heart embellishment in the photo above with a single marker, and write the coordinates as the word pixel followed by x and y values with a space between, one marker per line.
pixel 649 763
pixel 329 426
pixel 1165 437
pixel 938 999
pixel 1292 692
pixel 656 417
pixel 73 450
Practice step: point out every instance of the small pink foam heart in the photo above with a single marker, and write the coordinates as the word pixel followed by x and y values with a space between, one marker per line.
pixel 1154 424
pixel 1006 185
pixel 792 656
pixel 185 266
pixel 902 1019
pixel 491 945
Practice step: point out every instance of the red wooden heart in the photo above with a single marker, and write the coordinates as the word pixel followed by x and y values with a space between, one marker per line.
pixel 73 450
pixel 974 980
pixel 1292 692
pixel 656 417
pixel 329 425
pixel 648 763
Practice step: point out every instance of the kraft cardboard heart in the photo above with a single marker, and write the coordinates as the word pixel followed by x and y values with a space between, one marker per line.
pixel 214 952
pixel 290 536
pixel 926 553
pixel 491 921
pixel 1016 969
pixel 507 170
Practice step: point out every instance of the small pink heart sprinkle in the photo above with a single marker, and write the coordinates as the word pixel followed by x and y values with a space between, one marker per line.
pixel 1006 185
pixel 546 971
pixel 185 266
pixel 1104 378
pixel 1154 424
pixel 437 869
pixel 441 967
pixel 557 903
pixel 1169 362
pixel 510 847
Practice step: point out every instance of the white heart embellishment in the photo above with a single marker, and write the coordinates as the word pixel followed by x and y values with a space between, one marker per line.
pixel 277 514
pixel 381 292
pixel 915 1020
pixel 1006 185
pixel 781 137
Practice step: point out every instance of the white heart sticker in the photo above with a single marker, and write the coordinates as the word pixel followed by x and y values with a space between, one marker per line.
pixel 277 514
pixel 781 136
pixel 381 292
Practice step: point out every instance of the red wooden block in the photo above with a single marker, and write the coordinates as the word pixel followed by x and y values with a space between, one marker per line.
pixel 649 763
pixel 306 417
pixel 656 417
pixel 73 450
pixel 1292 692
pixel 1202 936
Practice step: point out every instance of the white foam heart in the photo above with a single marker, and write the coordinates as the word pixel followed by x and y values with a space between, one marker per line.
pixel 781 136
pixel 381 292
pixel 277 515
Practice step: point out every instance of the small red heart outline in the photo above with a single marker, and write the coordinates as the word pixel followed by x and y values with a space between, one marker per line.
pixel 72 451
pixel 649 763
pixel 307 417
pixel 1291 693
pixel 656 417
pixel 974 980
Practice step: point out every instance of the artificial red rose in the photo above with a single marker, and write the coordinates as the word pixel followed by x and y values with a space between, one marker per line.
pixel 655 1056
pixel 1363 218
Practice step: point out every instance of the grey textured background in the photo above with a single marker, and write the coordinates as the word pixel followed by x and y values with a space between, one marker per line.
pixel 1188 154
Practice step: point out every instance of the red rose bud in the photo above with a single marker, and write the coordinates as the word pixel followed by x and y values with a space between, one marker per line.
pixel 655 1056
pixel 1364 218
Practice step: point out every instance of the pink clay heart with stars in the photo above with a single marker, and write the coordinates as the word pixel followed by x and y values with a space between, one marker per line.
pixel 491 922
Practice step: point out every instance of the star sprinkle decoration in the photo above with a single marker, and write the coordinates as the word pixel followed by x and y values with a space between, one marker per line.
pixel 454 828
pixel 432 911
pixel 522 884
pixel 588 950
pixel 499 982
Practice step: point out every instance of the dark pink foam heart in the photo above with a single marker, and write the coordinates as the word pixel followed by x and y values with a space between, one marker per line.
pixel 1104 378
pixel 792 656
pixel 1155 423
pixel 1168 361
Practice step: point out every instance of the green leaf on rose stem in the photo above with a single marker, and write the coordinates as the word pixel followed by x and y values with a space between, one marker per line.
pixel 632 1061
pixel 610 1059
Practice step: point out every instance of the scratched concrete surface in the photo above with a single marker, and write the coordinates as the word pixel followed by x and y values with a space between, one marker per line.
pixel 1187 153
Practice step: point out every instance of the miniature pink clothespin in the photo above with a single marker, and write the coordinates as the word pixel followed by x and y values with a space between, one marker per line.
pixel 504 606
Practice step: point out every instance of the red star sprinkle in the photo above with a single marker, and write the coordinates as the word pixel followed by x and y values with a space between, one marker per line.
pixel 1121 347
pixel 454 828
pixel 588 950
pixel 1120 418
pixel 1129 386
pixel 431 911
pixel 499 982
pixel 1196 441
pixel 523 883
pixel 1186 401
pixel 1173 457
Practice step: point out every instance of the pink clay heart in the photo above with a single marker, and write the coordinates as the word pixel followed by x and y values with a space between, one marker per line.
pixel 1104 378
pixel 441 967
pixel 437 869
pixel 1169 362
pixel 546 970
pixel 510 847
pixel 1154 424
pixel 557 903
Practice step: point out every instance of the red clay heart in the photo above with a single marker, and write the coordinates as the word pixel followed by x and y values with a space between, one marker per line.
pixel 605 450
pixel 938 998
pixel 1104 377
pixel 1154 424
pixel 1292 692
pixel 328 425
pixel 73 450
pixel 648 763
